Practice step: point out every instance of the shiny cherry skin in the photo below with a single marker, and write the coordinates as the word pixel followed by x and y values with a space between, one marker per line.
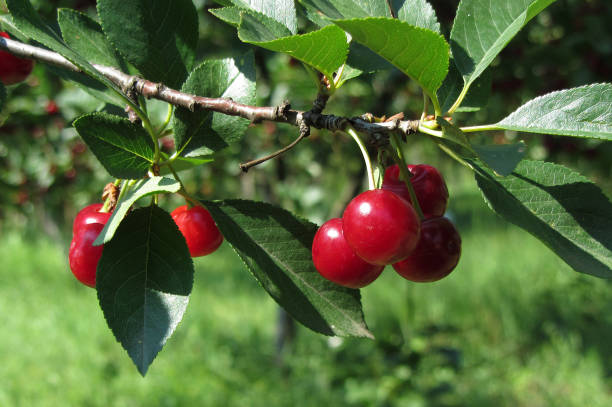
pixel 428 184
pixel 436 254
pixel 88 215
pixel 13 69
pixel 381 227
pixel 83 256
pixel 199 229
pixel 336 261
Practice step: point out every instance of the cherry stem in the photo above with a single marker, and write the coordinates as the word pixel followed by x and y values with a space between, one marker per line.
pixel 183 191
pixel 405 175
pixel 366 157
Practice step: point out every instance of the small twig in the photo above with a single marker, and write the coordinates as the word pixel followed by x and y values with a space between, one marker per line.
pixel 304 132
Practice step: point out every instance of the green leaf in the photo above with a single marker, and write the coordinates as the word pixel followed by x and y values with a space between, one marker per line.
pixel 276 247
pixel 321 11
pixel 85 36
pixel 230 15
pixel 158 37
pixel 577 112
pixel 29 23
pixel 204 131
pixel 361 59
pixel 124 148
pixel 307 48
pixel 501 158
pixel 282 11
pixel 144 280
pixel 256 27
pixel 419 53
pixel 482 28
pixel 477 96
pixel 415 12
pixel 560 207
pixel 418 13
pixel 142 188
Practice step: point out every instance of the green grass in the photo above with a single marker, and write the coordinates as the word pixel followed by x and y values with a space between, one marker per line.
pixel 512 326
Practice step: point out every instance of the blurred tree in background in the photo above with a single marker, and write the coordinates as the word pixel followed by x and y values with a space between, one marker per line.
pixel 512 330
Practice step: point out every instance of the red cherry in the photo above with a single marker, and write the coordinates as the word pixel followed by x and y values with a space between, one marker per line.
pixel 381 227
pixel 51 107
pixel 199 229
pixel 428 184
pixel 336 261
pixel 88 215
pixel 83 256
pixel 13 69
pixel 436 254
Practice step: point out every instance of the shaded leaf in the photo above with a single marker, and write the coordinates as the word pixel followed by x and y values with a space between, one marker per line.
pixel 308 49
pixel 205 132
pixel 419 53
pixel 142 188
pixel 585 111
pixel 501 158
pixel 144 280
pixel 85 36
pixel 276 247
pixel 26 20
pixel 454 141
pixel 124 148
pixel 482 28
pixel 560 207
pixel 477 96
pixel 158 37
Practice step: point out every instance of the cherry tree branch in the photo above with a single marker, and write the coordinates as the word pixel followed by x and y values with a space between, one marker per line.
pixel 131 84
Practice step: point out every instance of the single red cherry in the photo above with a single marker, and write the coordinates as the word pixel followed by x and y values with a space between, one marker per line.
pixel 13 69
pixel 381 227
pixel 51 107
pixel 83 256
pixel 199 229
pixel 336 261
pixel 89 214
pixel 428 184
pixel 436 254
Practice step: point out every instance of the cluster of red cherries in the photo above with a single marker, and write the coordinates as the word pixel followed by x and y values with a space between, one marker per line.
pixel 195 224
pixel 381 227
pixel 13 69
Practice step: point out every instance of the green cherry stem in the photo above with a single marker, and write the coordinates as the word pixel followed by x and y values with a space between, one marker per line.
pixel 366 157
pixel 167 121
pixel 484 127
pixel 405 175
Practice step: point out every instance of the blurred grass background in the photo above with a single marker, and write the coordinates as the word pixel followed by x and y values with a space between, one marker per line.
pixel 512 326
